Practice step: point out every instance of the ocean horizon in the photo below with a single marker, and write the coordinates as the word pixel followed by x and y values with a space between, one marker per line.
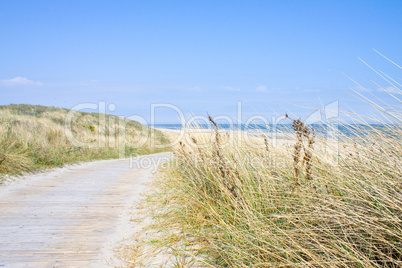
pixel 319 129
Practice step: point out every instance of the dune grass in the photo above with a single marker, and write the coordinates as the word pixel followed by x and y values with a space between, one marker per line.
pixel 307 202
pixel 34 137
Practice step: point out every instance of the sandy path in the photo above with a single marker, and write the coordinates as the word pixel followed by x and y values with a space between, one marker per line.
pixel 73 216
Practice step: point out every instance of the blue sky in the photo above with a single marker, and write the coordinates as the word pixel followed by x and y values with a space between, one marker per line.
pixel 201 56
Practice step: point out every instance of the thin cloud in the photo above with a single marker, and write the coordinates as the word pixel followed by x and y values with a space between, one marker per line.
pixel 261 89
pixel 19 81
pixel 265 89
pixel 393 90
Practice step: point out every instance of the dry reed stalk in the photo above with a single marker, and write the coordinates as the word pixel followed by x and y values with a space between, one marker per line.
pixel 266 143
pixel 221 163
pixel 308 152
pixel 200 153
pixel 302 132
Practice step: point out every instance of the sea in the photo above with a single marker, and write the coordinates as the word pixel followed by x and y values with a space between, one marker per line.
pixel 348 130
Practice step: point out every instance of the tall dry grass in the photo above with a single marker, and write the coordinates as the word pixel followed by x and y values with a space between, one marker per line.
pixel 34 137
pixel 309 202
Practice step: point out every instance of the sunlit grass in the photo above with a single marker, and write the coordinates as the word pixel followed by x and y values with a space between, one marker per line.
pixel 225 203
pixel 34 137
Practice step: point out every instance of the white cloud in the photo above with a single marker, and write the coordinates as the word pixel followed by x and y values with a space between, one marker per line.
pixel 19 81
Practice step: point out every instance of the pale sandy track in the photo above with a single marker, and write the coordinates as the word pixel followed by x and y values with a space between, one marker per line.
pixel 71 217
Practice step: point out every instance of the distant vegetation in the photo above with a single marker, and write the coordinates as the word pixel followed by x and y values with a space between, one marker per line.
pixel 34 137
pixel 308 202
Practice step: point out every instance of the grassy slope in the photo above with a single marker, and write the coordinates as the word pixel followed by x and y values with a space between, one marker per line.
pixel 33 137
